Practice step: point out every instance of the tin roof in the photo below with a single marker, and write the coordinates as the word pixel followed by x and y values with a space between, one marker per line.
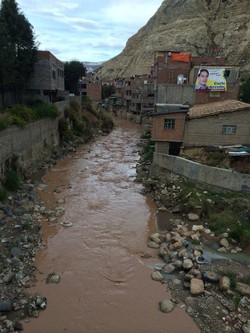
pixel 210 109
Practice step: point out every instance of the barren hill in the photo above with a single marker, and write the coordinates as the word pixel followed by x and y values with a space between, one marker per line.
pixel 201 27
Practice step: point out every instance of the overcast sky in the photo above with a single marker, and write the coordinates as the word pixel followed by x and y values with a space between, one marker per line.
pixel 86 30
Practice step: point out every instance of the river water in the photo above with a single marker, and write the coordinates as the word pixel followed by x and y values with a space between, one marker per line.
pixel 105 286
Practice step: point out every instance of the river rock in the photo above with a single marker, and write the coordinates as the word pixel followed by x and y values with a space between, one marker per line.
pixel 243 288
pixel 6 306
pixel 198 227
pixel 8 277
pixel 153 245
pixel 224 243
pixel 156 238
pixel 224 283
pixel 166 306
pixel 169 268
pixel 246 327
pixel 157 276
pixel 193 217
pixel 16 252
pixel 211 277
pixel 176 246
pixel 196 286
pixel 187 264
pixel 222 250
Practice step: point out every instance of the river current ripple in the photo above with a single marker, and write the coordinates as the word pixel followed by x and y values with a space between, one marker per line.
pixel 105 286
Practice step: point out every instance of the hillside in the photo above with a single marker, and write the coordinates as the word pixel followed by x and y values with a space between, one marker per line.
pixel 196 26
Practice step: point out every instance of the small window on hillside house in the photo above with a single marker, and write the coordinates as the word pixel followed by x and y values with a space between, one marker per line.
pixel 229 129
pixel 169 123
pixel 54 74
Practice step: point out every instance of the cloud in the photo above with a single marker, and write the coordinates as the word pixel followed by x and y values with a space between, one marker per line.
pixel 87 30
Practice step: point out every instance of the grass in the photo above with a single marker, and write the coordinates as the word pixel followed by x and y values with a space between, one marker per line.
pixel 224 212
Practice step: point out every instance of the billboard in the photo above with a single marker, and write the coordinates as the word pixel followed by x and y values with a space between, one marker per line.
pixel 211 79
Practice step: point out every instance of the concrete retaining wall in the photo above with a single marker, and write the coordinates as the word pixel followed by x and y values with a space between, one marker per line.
pixel 216 178
pixel 28 145
pixel 31 144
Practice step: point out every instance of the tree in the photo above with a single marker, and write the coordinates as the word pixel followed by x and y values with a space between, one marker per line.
pixel 107 90
pixel 18 50
pixel 73 71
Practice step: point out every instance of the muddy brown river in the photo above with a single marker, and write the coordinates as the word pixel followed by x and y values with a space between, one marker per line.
pixel 105 286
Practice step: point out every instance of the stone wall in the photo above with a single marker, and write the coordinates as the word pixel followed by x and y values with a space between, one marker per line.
pixel 210 177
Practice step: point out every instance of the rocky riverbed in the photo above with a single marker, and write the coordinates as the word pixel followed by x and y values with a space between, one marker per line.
pixel 21 216
pixel 213 288
pixel 214 291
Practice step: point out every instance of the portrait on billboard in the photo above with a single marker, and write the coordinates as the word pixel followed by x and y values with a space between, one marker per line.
pixel 211 79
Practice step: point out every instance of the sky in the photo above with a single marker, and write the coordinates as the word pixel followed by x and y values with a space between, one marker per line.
pixel 86 30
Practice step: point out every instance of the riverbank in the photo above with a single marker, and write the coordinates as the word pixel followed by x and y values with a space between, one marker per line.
pixel 208 274
pixel 21 218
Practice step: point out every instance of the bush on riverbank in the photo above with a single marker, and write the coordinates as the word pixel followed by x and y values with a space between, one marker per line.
pixel 20 114
pixel 83 121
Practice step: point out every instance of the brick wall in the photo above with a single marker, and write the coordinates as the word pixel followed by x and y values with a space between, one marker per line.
pixel 210 97
pixel 159 133
pixel 208 130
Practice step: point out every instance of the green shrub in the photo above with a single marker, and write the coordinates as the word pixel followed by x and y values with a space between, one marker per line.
pixel 3 195
pixel 45 111
pixel 12 180
pixel 21 111
pixel 6 120
pixel 221 221
pixel 75 106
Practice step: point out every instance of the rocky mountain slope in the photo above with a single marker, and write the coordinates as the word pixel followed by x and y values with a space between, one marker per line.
pixel 195 26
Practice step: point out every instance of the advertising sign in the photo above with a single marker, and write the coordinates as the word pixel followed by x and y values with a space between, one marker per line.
pixel 211 79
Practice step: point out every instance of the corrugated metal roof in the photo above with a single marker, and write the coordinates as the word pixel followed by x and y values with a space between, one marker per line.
pixel 210 109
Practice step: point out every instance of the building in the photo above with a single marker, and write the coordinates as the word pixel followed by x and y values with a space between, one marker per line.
pixel 176 127
pixel 176 75
pixel 48 78
pixel 91 87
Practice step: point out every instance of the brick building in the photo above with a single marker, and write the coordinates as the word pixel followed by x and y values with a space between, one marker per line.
pixel 91 87
pixel 212 124
pixel 48 77
pixel 175 75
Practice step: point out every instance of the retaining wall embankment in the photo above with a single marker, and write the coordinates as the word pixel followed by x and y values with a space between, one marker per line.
pixel 27 145
pixel 31 144
pixel 210 177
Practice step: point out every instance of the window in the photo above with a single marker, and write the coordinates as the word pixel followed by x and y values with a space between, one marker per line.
pixel 227 73
pixel 229 129
pixel 54 74
pixel 169 123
